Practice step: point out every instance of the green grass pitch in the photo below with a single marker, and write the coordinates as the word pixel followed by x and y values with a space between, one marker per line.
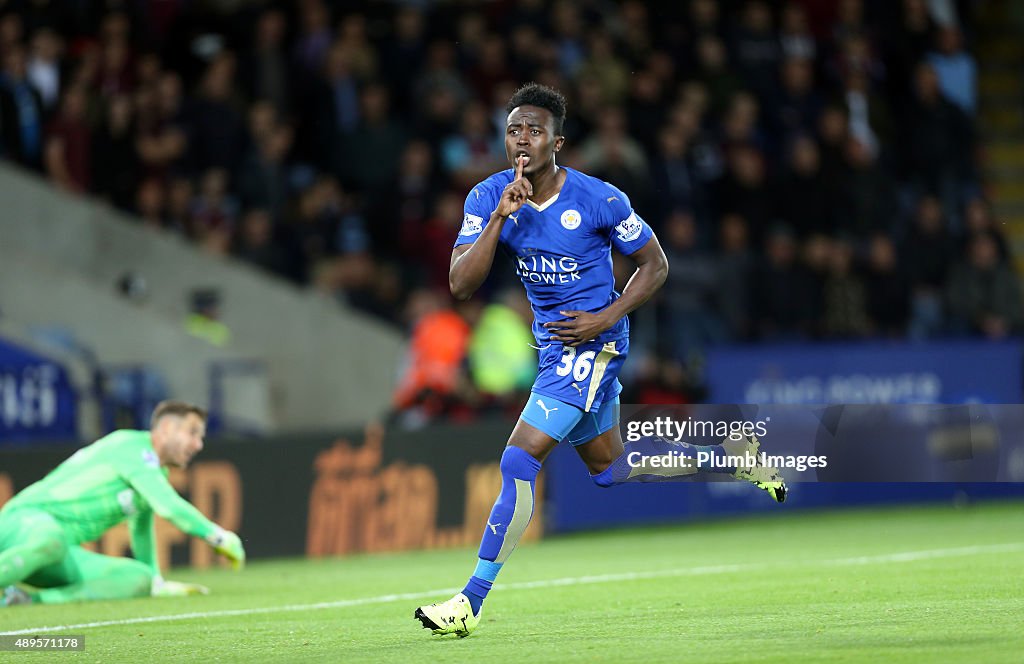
pixel 923 584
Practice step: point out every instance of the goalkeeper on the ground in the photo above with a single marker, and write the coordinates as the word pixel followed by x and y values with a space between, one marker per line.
pixel 120 477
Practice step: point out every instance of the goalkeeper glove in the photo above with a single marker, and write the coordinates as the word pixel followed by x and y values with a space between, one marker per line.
pixel 163 588
pixel 229 545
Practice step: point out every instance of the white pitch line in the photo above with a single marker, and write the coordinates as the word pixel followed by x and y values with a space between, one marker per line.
pixel 912 556
pixel 903 557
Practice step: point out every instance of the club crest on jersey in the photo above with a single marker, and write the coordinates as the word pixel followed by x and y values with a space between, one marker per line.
pixel 629 228
pixel 571 220
pixel 472 224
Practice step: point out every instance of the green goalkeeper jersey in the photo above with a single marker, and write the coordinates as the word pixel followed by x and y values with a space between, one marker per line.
pixel 117 478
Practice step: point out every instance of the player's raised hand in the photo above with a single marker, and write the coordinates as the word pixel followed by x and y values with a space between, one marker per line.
pixel 578 327
pixel 516 192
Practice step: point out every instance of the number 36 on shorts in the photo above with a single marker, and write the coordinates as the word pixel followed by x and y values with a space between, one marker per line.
pixel 579 366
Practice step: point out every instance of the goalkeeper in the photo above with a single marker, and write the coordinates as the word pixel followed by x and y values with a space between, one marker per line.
pixel 120 477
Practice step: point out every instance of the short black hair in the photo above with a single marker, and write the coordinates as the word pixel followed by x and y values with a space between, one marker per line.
pixel 541 96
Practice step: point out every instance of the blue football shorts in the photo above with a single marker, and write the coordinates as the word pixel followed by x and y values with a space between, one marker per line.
pixel 576 394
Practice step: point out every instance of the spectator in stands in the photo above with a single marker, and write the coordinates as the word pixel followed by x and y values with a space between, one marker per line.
pixel 150 199
pixel 674 174
pixel 12 31
pixel 613 155
pixel 68 144
pixel 490 68
pixel 43 68
pixel 410 200
pixel 849 21
pixel 867 200
pixel 214 209
pixel 888 291
pixel 816 254
pixel 351 232
pixel 256 243
pixel 756 49
pixel 984 295
pixel 314 37
pixel 737 264
pixel 795 36
pixel 690 300
pixel 115 72
pixel 313 225
pixel 937 135
pixel 868 117
pixel 927 254
pixel 203 320
pixel 368 156
pixel 603 65
pixel 741 125
pixel 216 128
pixel 161 138
pixel 264 69
pixel 262 177
pixel 569 29
pixel 502 362
pixel 428 246
pixel 440 338
pixel 637 35
pixel 703 20
pixel 440 76
pixel 713 71
pixel 407 45
pixel 645 109
pixel 353 37
pixel 333 110
pixel 21 110
pixel 978 219
pixel 745 191
pixel 805 198
pixel 781 292
pixel 856 55
pixel 180 193
pixel 833 135
pixel 474 152
pixel 956 70
pixel 908 40
pixel 798 105
pixel 844 303
pixel 115 163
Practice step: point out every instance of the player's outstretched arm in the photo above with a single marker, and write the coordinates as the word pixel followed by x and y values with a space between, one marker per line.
pixel 582 326
pixel 471 263
pixel 166 502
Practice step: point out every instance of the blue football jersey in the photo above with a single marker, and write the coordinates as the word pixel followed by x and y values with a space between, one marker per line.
pixel 562 248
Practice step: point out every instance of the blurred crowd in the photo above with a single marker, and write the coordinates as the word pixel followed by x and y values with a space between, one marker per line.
pixel 809 165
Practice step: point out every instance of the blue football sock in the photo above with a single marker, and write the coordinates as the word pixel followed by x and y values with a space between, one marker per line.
pixel 633 465
pixel 508 521
pixel 480 583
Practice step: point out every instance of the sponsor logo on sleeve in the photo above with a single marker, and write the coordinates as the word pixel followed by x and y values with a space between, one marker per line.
pixel 472 225
pixel 629 228
pixel 150 458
